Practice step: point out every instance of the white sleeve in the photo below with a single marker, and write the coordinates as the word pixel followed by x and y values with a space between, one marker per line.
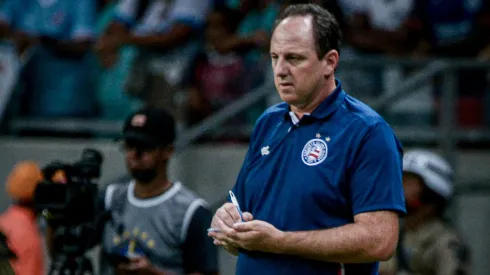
pixel 194 11
pixel 126 10
pixel 108 196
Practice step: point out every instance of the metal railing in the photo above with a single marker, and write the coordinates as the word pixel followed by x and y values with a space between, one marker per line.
pixel 446 134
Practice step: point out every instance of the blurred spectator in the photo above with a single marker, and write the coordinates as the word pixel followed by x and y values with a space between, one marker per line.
pixel 54 36
pixel 331 5
pixel 372 27
pixel 253 33
pixel 18 222
pixel 114 103
pixel 252 40
pixel 427 244
pixel 452 28
pixel 165 34
pixel 216 77
pixel 379 26
pixel 456 28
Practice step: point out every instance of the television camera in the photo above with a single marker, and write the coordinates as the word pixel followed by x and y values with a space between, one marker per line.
pixel 68 200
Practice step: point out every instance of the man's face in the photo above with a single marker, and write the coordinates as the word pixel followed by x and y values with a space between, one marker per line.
pixel 142 158
pixel 412 188
pixel 298 73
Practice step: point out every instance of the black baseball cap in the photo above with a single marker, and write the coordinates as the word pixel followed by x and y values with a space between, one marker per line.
pixel 151 126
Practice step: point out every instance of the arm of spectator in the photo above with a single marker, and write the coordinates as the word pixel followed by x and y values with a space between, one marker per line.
pixel 23 41
pixel 68 49
pixel 178 34
pixel 236 43
pixel 112 38
pixel 184 19
pixel 9 10
pixel 363 36
pixel 118 30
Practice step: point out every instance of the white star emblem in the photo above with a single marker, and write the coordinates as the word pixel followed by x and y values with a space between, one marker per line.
pixel 318 135
pixel 327 139
pixel 264 151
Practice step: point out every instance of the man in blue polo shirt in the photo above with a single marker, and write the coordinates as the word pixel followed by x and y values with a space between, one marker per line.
pixel 321 185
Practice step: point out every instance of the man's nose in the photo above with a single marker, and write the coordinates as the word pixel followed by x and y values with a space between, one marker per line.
pixel 281 69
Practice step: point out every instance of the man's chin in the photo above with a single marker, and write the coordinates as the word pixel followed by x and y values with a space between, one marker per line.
pixel 289 98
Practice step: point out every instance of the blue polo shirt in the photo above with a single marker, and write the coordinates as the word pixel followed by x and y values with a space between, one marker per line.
pixel 317 173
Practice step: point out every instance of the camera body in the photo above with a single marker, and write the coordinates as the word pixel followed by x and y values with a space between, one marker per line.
pixel 68 195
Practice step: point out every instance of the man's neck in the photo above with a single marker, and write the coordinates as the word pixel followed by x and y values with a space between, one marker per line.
pixel 327 90
pixel 152 189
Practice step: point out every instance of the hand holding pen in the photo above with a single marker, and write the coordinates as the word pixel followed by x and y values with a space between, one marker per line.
pixel 230 211
pixel 237 231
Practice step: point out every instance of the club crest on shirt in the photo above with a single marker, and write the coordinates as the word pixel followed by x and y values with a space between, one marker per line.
pixel 314 152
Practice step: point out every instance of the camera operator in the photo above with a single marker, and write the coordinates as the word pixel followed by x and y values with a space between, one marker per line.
pixel 18 222
pixel 156 226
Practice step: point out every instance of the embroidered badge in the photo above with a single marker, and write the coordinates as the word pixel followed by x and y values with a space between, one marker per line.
pixel 314 152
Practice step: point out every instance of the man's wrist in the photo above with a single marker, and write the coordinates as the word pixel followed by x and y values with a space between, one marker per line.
pixel 279 243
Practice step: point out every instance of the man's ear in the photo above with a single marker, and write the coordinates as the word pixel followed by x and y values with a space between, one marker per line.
pixel 332 60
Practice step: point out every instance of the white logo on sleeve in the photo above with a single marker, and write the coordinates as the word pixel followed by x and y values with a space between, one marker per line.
pixel 314 152
pixel 264 151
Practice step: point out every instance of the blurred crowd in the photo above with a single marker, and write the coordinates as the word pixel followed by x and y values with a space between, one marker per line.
pixel 104 59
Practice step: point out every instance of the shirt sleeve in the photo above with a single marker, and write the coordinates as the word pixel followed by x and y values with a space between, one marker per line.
pixel 199 252
pixel 8 11
pixel 84 20
pixel 126 11
pixel 376 172
pixel 191 12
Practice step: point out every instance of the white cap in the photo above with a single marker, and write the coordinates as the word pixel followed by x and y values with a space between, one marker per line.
pixel 433 169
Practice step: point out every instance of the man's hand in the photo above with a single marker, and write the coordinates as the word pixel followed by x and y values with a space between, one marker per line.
pixel 256 236
pixel 110 43
pixel 107 49
pixel 250 235
pixel 224 219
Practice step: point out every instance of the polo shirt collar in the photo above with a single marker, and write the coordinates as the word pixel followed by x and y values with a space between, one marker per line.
pixel 327 107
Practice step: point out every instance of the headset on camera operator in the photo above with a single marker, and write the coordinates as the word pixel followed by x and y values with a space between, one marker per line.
pixel 18 222
pixel 427 245
pixel 155 226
